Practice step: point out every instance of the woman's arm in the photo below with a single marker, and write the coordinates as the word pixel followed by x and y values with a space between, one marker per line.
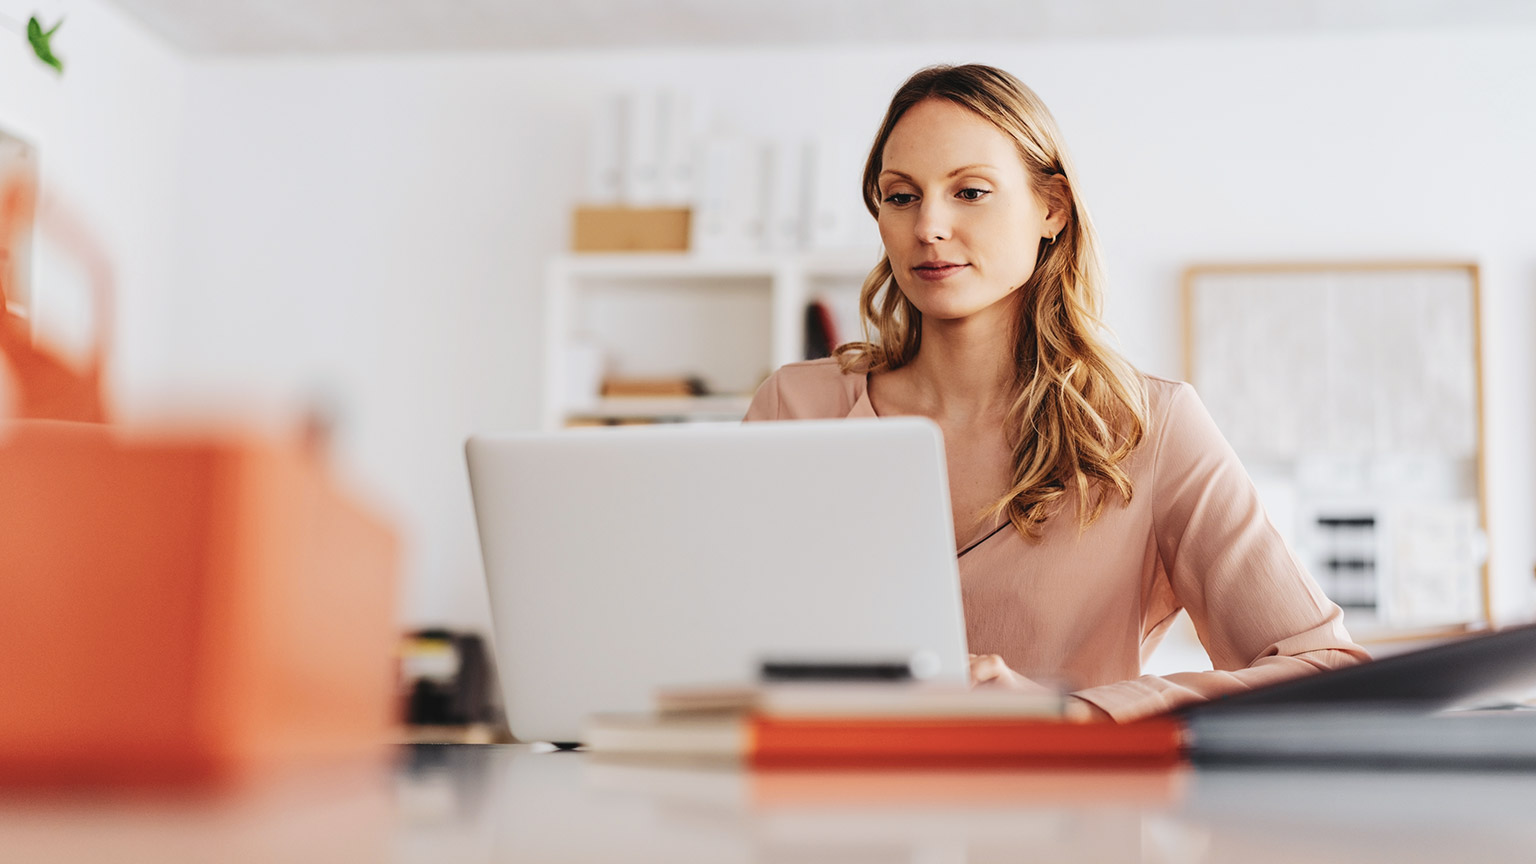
pixel 765 402
pixel 1259 614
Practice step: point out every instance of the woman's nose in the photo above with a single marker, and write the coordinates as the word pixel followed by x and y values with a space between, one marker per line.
pixel 934 222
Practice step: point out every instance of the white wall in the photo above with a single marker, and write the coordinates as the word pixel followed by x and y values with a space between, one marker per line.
pixel 376 227
pixel 107 134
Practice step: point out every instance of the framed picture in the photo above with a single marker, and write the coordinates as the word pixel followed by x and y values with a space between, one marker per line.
pixel 1353 394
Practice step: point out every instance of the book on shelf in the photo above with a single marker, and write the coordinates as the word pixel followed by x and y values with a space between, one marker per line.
pixel 622 410
pixel 821 337
pixel 605 151
pixel 783 205
pixel 663 386
pixel 641 183
pixel 835 220
pixel 728 196
pixel 641 149
pixel 676 126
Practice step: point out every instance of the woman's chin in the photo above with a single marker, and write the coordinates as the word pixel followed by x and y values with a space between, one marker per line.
pixel 956 309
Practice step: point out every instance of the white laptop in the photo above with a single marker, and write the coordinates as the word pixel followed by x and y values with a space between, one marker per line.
pixel 620 560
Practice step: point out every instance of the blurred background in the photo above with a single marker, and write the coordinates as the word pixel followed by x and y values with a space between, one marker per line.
pixel 369 207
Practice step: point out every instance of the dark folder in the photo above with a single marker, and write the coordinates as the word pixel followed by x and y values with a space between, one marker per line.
pixel 1426 679
pixel 1382 713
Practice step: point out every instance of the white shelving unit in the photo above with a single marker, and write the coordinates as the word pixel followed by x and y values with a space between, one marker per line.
pixel 727 321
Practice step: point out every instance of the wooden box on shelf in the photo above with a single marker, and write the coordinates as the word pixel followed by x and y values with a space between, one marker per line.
pixel 629 229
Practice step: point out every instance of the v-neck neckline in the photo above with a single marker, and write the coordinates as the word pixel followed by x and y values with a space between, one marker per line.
pixel 983 538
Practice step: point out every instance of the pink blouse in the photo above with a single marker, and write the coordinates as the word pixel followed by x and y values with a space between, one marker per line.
pixel 1085 607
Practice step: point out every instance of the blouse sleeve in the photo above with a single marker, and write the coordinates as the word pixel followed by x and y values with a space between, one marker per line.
pixel 765 403
pixel 1259 614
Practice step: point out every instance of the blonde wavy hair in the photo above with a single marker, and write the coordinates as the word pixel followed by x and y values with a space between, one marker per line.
pixel 1078 407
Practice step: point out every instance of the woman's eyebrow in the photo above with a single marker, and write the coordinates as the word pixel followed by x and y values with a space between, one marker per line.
pixel 961 170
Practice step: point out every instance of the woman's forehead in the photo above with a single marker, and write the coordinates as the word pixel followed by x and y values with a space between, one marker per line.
pixel 940 136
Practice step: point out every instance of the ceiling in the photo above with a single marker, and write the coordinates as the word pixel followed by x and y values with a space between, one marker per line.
pixel 323 26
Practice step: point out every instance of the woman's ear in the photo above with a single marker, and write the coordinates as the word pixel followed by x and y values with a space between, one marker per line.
pixel 1056 195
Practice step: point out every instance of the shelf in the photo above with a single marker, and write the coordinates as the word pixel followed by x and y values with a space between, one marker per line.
pixel 693 408
pixel 727 319
pixel 639 265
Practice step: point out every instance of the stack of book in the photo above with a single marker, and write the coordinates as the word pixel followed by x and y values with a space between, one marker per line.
pixel 862 725
pixel 658 387
pixel 1410 709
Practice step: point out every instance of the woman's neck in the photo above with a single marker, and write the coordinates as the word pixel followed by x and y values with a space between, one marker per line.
pixel 964 370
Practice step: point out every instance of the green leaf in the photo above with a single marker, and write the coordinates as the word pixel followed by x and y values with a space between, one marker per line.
pixel 40 43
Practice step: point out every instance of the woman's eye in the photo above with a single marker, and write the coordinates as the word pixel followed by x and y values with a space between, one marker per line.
pixel 900 198
pixel 974 194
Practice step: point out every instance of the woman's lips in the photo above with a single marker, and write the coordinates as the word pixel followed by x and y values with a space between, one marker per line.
pixel 937 272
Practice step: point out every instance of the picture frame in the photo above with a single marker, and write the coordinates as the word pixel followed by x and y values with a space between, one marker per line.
pixel 1353 392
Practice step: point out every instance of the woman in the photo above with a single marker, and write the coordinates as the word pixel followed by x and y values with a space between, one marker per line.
pixel 1091 502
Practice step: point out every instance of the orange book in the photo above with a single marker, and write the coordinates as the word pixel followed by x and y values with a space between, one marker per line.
pixel 865 742
pixel 889 742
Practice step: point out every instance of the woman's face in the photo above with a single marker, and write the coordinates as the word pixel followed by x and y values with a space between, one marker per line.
pixel 958 217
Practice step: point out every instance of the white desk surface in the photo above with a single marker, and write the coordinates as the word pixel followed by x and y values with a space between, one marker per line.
pixel 443 805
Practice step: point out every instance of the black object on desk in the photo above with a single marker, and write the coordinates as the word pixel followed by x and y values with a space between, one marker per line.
pixel 455 687
pixel 826 670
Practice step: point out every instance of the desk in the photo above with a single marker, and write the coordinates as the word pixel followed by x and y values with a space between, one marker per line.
pixel 442 805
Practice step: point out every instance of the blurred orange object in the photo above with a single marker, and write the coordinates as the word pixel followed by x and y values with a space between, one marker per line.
pixel 184 608
pixel 178 605
pixel 47 385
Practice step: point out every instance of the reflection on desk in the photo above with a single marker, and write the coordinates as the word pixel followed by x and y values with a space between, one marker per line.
pixel 452 804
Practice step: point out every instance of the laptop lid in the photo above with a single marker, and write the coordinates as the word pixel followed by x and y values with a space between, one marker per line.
pixel 620 560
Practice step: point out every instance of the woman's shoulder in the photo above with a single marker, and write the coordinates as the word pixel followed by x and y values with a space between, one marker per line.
pixel 825 373
pixel 807 389
pixel 1162 393
pixel 1176 418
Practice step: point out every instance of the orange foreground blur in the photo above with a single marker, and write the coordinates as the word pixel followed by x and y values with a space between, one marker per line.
pixel 184 608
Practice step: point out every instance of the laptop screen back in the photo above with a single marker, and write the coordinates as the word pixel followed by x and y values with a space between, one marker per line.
pixel 622 560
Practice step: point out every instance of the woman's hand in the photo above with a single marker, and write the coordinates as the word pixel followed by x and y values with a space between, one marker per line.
pixel 989 670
